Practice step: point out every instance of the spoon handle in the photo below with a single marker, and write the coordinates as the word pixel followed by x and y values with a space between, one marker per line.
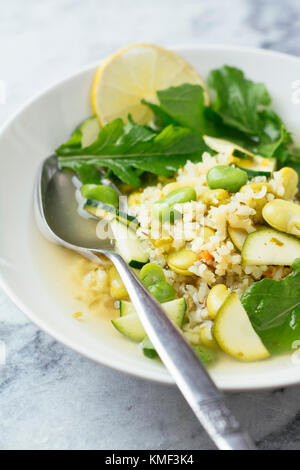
pixel 191 376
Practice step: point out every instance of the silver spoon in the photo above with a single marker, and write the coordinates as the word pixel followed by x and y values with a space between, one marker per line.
pixel 58 219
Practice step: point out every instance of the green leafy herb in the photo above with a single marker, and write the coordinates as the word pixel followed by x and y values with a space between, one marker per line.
pixel 238 100
pixel 245 106
pixel 88 174
pixel 274 310
pixel 273 137
pixel 240 113
pixel 124 149
pixel 185 105
pixel 161 117
pixel 74 142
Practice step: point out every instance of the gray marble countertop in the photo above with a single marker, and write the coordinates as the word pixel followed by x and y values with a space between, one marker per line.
pixel 50 397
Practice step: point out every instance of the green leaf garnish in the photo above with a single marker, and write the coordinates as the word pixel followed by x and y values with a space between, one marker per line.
pixel 274 310
pixel 124 149
pixel 238 100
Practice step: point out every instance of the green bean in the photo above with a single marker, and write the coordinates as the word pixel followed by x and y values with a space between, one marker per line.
pixel 101 193
pixel 226 177
pixel 151 273
pixel 162 291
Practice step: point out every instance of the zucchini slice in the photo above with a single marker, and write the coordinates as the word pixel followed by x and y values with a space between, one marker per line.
pixel 130 325
pixel 128 245
pixel 270 247
pixel 89 129
pixel 237 236
pixel 257 166
pixel 175 309
pixel 148 349
pixel 107 211
pixel 227 147
pixel 253 164
pixel 126 308
pixel 235 334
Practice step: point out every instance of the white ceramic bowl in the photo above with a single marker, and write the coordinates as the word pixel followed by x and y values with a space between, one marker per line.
pixel 32 271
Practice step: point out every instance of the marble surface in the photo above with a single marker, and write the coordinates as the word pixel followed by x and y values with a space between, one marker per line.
pixel 50 397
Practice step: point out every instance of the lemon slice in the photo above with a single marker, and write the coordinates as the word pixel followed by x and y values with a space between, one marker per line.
pixel 134 73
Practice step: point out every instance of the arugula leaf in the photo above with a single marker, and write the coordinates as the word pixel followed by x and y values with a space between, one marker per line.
pixel 88 174
pixel 75 140
pixel 185 104
pixel 161 117
pixel 273 134
pixel 240 114
pixel 181 105
pixel 117 140
pixel 274 310
pixel 238 100
pixel 125 149
pixel 245 106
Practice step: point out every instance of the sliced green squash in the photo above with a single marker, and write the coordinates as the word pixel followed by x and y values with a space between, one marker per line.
pixel 227 147
pixel 148 349
pixel 237 236
pixel 128 245
pixel 133 327
pixel 126 308
pixel 89 129
pixel 130 326
pixel 256 165
pixel 107 211
pixel 175 309
pixel 270 247
pixel 253 164
pixel 235 334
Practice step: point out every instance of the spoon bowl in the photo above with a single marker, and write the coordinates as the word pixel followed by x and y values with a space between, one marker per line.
pixel 57 211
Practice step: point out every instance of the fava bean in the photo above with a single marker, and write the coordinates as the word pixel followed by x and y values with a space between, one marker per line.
pixel 163 207
pixel 171 187
pixel 226 177
pixel 101 193
pixel 165 213
pixel 289 178
pixel 215 197
pixel 151 273
pixel 162 291
pixel 283 216
pixel 255 202
pixel 180 195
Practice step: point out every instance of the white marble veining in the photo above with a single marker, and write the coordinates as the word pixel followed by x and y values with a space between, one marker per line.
pixel 50 397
